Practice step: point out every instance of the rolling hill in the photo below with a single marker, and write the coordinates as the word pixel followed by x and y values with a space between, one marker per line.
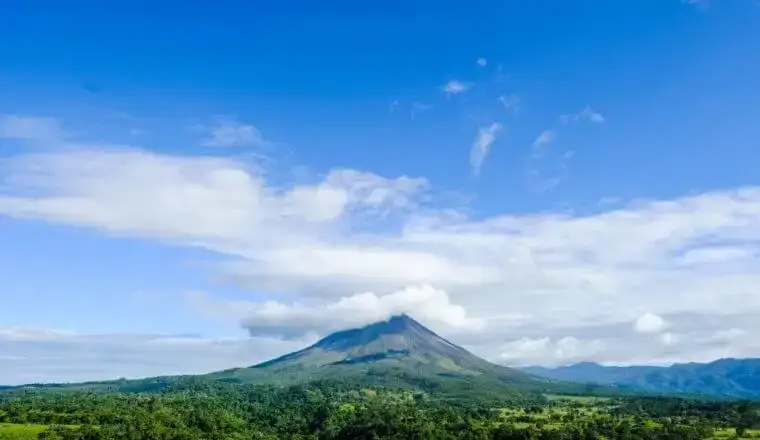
pixel 724 377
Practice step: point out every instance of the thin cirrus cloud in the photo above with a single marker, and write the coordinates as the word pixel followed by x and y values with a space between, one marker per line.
pixel 510 102
pixel 587 114
pixel 548 166
pixel 481 147
pixel 231 133
pixel 502 283
pixel 418 107
pixel 545 138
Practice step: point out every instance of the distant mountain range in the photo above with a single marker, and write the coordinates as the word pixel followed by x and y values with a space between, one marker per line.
pixel 724 377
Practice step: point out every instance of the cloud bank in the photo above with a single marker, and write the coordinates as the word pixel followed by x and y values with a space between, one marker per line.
pixel 669 280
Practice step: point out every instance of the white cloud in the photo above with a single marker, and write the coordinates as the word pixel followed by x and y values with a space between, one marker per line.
pixel 482 62
pixel 565 350
pixel 455 87
pixel 30 128
pixel 649 323
pixel 669 338
pixel 545 138
pixel 545 169
pixel 419 107
pixel 299 320
pixel 542 275
pixel 482 146
pixel 587 114
pixel 230 133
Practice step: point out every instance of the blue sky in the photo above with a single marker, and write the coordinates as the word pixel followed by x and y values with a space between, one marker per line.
pixel 541 181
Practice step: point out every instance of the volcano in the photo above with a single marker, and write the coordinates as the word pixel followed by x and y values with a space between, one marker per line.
pixel 399 352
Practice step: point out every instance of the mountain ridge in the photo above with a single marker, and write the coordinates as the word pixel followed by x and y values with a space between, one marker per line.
pixel 729 377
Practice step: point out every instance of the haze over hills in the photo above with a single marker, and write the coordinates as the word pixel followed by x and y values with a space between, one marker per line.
pixel 723 377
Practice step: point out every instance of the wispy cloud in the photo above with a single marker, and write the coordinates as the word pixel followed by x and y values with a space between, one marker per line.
pixel 455 87
pixel 393 105
pixel 545 170
pixel 587 114
pixel 419 107
pixel 545 138
pixel 482 62
pixel 482 146
pixel 231 133
pixel 30 128
pixel 138 132
pixel 510 102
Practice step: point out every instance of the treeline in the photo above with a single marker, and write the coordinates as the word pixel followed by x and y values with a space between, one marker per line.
pixel 330 410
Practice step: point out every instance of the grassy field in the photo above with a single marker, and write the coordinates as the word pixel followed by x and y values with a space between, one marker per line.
pixel 13 431
pixel 731 433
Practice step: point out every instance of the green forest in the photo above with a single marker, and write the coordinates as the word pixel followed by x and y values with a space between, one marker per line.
pixel 215 410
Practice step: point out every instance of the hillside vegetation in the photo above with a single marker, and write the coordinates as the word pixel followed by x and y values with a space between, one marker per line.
pixel 205 409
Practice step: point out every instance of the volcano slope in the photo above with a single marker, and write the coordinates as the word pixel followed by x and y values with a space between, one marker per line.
pixel 398 352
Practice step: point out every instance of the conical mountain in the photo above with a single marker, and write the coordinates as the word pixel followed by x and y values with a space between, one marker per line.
pixel 400 339
pixel 397 351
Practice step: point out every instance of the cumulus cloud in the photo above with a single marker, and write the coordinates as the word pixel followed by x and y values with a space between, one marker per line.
pixel 583 279
pixel 455 87
pixel 298 320
pixel 482 146
pixel 649 323
pixel 231 133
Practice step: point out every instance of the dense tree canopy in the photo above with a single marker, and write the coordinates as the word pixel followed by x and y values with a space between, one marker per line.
pixel 329 410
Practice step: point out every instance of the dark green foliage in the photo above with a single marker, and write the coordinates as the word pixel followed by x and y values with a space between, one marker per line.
pixel 198 409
